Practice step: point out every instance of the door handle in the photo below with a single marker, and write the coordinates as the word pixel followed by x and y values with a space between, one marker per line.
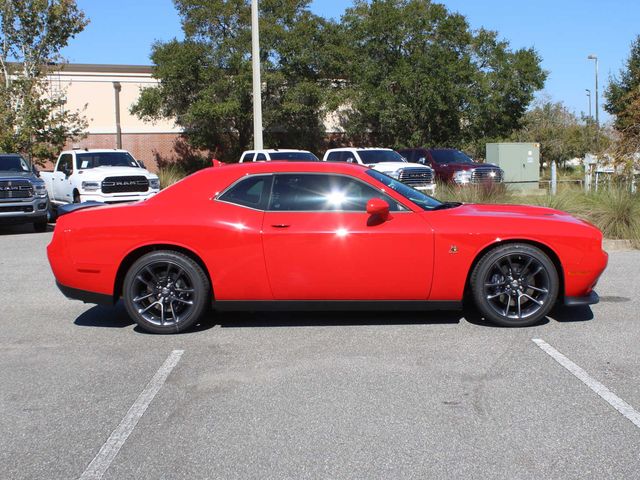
pixel 280 225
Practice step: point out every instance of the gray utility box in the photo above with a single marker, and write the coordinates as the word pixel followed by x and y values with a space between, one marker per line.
pixel 520 162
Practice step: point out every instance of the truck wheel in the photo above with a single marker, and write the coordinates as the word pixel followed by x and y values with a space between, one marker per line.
pixel 40 226
pixel 515 285
pixel 76 197
pixel 166 292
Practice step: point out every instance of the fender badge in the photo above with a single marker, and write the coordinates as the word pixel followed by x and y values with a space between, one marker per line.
pixel 453 249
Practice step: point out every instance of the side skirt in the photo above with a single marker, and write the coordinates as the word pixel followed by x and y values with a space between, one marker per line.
pixel 334 306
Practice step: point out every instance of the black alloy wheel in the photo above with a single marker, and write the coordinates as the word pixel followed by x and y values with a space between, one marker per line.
pixel 515 285
pixel 166 292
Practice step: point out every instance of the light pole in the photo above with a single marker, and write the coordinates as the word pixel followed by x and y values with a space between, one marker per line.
pixel 595 57
pixel 257 84
pixel 589 96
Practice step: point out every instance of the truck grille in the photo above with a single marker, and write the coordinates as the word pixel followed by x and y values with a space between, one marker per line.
pixel 17 208
pixel 10 189
pixel 416 177
pixel 487 174
pixel 125 184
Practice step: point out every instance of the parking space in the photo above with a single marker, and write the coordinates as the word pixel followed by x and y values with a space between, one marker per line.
pixel 314 395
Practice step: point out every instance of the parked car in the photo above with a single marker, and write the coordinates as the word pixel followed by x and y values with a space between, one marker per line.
pixel 108 176
pixel 23 196
pixel 389 162
pixel 320 235
pixel 455 166
pixel 278 154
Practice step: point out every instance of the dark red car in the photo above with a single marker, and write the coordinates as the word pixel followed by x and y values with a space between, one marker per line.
pixel 452 165
pixel 320 235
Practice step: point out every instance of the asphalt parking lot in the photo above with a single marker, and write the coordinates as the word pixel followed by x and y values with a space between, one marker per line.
pixel 314 395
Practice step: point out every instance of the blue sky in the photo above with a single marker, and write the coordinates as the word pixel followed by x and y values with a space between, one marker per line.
pixel 563 31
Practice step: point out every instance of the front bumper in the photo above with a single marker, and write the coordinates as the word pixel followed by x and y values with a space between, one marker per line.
pixel 116 197
pixel 16 212
pixel 429 189
pixel 590 299
pixel 85 296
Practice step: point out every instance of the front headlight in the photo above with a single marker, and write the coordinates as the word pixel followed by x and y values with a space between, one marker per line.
pixel 154 183
pixel 462 176
pixel 90 186
pixel 40 190
pixel 395 174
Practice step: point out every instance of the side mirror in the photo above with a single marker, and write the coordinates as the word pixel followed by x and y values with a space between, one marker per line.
pixel 378 208
pixel 35 170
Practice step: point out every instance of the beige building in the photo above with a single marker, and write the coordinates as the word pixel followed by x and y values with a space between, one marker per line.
pixel 97 90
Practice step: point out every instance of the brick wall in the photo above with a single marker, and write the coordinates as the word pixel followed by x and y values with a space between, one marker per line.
pixel 143 146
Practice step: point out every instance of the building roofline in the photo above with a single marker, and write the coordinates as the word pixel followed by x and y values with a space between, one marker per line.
pixel 105 68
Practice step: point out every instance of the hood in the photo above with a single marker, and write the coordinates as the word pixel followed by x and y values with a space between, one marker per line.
pixel 471 166
pixel 393 166
pixel 506 213
pixel 5 175
pixel 98 173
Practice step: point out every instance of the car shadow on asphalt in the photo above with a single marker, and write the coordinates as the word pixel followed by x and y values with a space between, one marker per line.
pixel 26 229
pixel 117 317
pixel 336 318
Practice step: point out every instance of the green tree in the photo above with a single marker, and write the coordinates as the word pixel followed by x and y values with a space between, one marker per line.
pixel 418 75
pixel 562 136
pixel 32 33
pixel 205 80
pixel 623 102
pixel 623 91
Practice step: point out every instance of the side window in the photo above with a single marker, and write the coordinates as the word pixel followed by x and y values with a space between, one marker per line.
pixel 250 192
pixel 335 157
pixel 410 155
pixel 313 192
pixel 247 157
pixel 261 157
pixel 65 164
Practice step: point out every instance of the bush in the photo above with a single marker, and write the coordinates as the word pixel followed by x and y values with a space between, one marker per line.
pixel 170 174
pixel 616 211
pixel 480 193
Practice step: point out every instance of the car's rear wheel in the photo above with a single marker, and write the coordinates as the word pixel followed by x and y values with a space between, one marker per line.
pixel 515 285
pixel 166 292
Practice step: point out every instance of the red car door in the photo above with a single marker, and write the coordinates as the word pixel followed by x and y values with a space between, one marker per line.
pixel 320 244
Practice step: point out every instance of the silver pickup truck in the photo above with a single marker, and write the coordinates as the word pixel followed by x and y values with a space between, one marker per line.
pixel 23 196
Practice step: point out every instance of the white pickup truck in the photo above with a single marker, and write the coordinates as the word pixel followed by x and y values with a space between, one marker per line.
pixel 108 176
pixel 389 162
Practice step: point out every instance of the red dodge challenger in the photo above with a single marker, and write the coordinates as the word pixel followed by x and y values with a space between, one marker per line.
pixel 320 236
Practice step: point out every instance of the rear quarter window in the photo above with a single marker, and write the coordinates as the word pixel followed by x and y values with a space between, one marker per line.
pixel 249 192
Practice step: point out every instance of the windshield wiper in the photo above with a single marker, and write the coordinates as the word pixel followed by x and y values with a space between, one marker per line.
pixel 446 205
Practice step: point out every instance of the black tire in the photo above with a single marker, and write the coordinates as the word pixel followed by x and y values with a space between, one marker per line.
pixel 40 226
pixel 76 197
pixel 166 292
pixel 515 285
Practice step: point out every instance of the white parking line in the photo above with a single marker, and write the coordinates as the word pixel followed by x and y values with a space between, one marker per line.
pixel 111 447
pixel 616 402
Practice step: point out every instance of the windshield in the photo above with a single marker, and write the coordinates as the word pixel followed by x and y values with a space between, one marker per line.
pixel 380 156
pixel 105 159
pixel 13 163
pixel 419 198
pixel 450 156
pixel 295 156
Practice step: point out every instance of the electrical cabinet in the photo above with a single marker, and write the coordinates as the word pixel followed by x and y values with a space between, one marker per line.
pixel 520 162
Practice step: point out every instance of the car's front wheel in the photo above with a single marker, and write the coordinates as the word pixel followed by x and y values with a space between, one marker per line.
pixel 515 285
pixel 166 292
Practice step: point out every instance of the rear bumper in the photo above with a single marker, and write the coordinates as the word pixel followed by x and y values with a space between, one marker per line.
pixel 590 299
pixel 85 296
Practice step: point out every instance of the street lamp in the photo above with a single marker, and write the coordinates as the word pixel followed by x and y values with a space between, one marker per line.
pixel 589 96
pixel 257 85
pixel 595 57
